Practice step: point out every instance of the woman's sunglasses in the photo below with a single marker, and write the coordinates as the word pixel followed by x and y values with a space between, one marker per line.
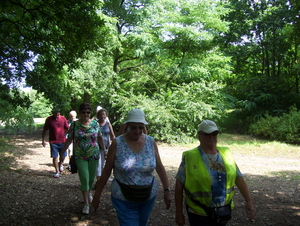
pixel 137 127
pixel 85 112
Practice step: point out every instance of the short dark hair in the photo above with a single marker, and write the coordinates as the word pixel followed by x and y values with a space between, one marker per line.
pixel 85 106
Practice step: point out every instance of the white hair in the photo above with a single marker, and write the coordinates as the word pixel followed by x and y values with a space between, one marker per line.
pixel 73 113
pixel 98 108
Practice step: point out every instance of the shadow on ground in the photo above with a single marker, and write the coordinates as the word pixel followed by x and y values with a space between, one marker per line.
pixel 37 199
pixel 32 197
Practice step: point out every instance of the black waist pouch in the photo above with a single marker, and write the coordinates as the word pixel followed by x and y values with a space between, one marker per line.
pixel 136 193
pixel 216 215
pixel 219 215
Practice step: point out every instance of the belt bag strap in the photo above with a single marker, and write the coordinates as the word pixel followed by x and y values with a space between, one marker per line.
pixel 209 210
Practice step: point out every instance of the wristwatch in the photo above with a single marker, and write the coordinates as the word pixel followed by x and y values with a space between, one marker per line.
pixel 167 189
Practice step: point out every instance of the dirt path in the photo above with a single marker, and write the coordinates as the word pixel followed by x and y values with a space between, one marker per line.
pixel 31 196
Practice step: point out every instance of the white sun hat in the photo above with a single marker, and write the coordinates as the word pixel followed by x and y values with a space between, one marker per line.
pixel 136 115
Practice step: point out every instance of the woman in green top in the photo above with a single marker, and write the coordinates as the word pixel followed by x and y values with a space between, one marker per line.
pixel 87 139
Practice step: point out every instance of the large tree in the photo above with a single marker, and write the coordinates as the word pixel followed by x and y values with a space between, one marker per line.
pixel 156 55
pixel 263 41
pixel 39 39
pixel 164 60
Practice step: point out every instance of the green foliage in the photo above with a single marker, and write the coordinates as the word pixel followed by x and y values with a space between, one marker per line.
pixel 17 120
pixel 263 43
pixel 185 60
pixel 285 128
pixel 7 159
pixel 40 107
pixel 174 115
pixel 13 96
pixel 161 58
pixel 39 38
pixel 261 95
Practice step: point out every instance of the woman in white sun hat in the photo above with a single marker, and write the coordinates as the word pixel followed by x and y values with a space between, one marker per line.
pixel 124 128
pixel 134 156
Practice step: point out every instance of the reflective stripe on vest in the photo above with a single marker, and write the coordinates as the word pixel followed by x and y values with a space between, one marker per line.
pixel 198 180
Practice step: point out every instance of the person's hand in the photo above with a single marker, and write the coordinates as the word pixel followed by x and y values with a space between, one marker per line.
pixel 179 219
pixel 167 198
pixel 44 143
pixel 250 210
pixel 95 203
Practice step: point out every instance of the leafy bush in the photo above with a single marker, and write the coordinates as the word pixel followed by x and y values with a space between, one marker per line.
pixel 7 157
pixel 20 121
pixel 15 119
pixel 173 115
pixel 285 128
pixel 40 106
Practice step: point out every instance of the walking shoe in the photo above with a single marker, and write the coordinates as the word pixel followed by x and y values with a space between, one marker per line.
pixel 61 168
pixel 86 209
pixel 56 175
pixel 90 198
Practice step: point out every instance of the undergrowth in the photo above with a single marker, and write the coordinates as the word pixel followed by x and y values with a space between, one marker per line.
pixel 7 154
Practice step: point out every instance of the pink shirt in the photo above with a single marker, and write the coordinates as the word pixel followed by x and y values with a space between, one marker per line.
pixel 57 129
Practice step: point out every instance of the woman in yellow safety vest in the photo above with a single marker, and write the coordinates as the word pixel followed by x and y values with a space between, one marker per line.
pixel 208 174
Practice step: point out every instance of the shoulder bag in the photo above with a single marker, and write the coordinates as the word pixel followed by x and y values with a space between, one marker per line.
pixel 72 160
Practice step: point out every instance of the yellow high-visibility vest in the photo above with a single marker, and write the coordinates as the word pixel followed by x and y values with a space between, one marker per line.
pixel 198 181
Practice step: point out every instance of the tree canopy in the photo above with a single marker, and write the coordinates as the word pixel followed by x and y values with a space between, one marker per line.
pixel 179 61
pixel 263 41
pixel 40 38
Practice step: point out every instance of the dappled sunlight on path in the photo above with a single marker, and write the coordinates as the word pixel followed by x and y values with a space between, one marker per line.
pixel 31 196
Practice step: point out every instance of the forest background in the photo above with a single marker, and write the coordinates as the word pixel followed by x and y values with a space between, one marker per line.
pixel 235 62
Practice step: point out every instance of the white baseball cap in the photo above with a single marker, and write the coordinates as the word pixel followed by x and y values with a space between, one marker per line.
pixel 208 126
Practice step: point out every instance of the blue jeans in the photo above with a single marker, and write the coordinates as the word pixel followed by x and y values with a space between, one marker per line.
pixel 133 213
pixel 199 220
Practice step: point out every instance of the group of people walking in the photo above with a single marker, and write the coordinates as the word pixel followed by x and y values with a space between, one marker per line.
pixel 207 174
